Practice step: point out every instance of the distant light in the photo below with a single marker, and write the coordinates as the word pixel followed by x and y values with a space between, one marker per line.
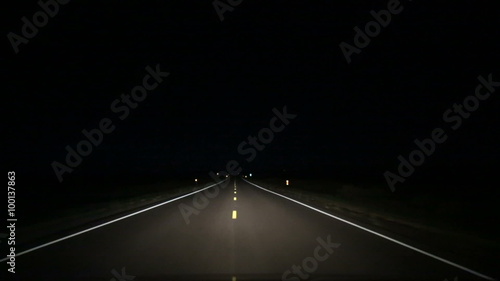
pixel 250 175
pixel 245 177
pixel 227 176
pixel 217 173
pixel 287 182
pixel 195 180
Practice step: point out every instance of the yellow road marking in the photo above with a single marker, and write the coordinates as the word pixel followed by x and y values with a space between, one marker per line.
pixel 235 214
pixel 235 198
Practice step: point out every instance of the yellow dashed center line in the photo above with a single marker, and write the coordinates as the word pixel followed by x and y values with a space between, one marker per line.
pixel 235 214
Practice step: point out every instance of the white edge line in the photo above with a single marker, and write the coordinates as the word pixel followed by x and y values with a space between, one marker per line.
pixel 378 234
pixel 110 222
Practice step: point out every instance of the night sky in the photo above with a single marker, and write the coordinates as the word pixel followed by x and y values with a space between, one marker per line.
pixel 353 119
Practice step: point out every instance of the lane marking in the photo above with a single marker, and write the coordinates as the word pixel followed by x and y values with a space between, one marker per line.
pixel 234 199
pixel 234 192
pixel 112 221
pixel 380 235
pixel 235 214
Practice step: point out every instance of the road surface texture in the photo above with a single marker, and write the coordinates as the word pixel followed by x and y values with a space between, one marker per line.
pixel 244 233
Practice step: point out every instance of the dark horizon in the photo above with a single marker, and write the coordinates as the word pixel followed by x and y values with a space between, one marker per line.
pixel 226 77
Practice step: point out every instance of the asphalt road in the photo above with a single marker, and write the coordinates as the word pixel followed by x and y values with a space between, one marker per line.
pixel 266 239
